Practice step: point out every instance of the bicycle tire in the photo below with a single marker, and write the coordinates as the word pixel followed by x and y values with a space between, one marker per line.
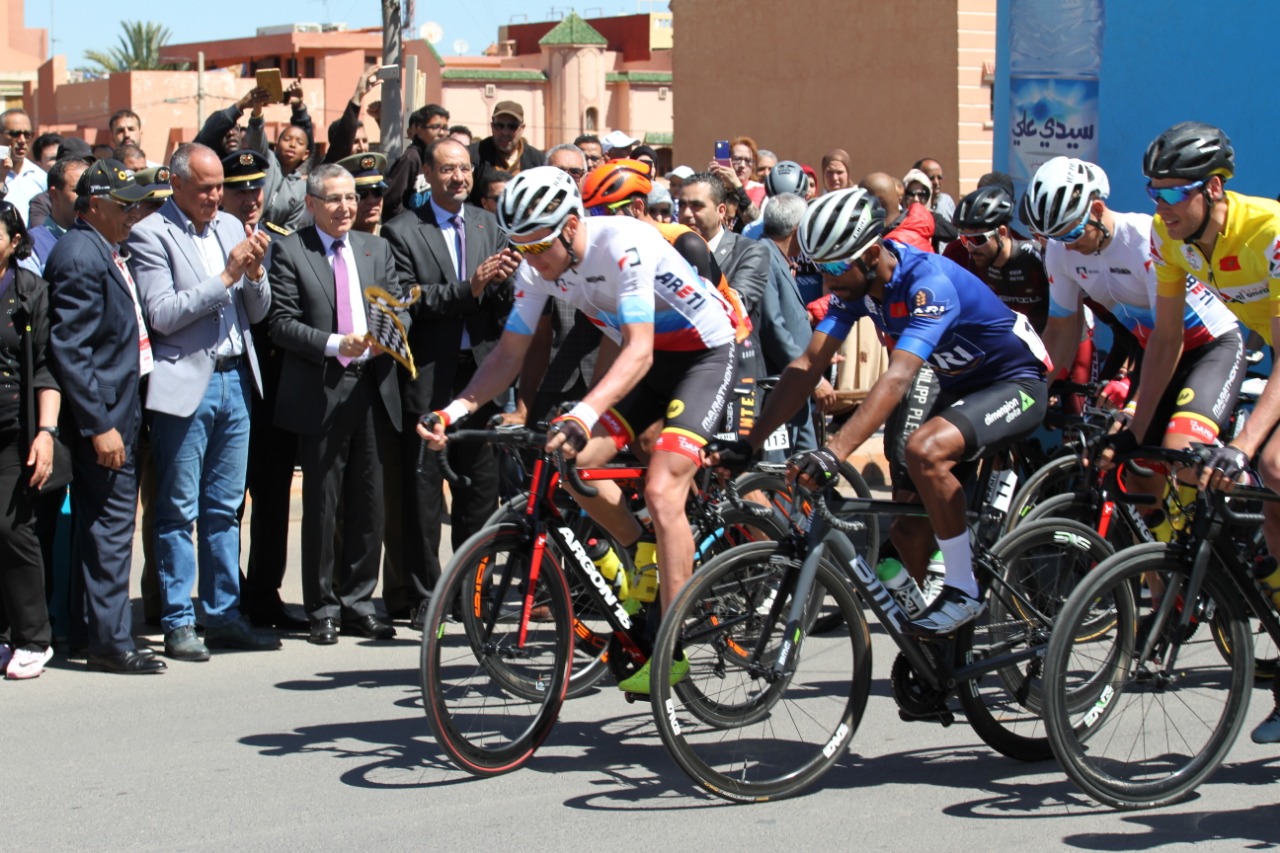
pixel 1044 561
pixel 489 699
pixel 866 543
pixel 1058 476
pixel 1114 748
pixel 735 732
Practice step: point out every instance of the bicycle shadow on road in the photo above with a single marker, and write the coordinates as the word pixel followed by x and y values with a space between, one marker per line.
pixel 1254 827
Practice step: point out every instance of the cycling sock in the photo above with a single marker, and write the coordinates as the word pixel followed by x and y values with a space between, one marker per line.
pixel 959 563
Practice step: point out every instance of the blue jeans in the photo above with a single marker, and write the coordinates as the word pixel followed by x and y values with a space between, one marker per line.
pixel 201 463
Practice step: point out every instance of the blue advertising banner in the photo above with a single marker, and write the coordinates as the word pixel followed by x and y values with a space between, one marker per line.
pixel 1049 117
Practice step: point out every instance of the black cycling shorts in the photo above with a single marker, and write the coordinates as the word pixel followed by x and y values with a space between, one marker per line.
pixel 1202 392
pixel 689 390
pixel 990 419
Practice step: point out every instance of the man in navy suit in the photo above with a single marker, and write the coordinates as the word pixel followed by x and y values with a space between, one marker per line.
pixel 100 351
pixel 341 395
pixel 201 281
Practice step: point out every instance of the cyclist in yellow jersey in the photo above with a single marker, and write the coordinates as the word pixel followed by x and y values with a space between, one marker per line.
pixel 1231 243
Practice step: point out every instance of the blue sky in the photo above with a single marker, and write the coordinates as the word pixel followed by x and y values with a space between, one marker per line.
pixel 79 25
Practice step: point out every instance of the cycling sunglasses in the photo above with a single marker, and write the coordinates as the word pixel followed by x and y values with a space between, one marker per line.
pixel 1073 235
pixel 608 209
pixel 1173 195
pixel 975 241
pixel 537 248
pixel 835 269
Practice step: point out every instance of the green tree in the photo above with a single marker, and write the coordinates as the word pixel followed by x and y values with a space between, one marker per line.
pixel 139 50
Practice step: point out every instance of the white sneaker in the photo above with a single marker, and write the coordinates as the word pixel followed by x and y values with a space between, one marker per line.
pixel 6 655
pixel 1268 731
pixel 949 611
pixel 935 578
pixel 27 663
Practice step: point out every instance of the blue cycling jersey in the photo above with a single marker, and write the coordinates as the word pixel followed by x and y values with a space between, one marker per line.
pixel 944 314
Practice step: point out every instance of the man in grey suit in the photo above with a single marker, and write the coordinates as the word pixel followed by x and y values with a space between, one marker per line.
pixel 466 295
pixel 342 397
pixel 201 284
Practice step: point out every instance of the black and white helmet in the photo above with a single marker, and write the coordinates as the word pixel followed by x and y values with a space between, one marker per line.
pixel 1059 195
pixel 542 197
pixel 786 177
pixel 984 209
pixel 1192 150
pixel 841 225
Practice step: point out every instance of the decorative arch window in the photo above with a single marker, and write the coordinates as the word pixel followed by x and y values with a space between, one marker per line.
pixel 591 121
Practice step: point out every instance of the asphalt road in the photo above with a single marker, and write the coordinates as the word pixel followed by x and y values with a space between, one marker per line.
pixel 328 746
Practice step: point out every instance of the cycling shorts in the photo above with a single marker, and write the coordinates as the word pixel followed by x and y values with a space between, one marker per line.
pixel 905 419
pixel 688 390
pixel 990 419
pixel 1202 392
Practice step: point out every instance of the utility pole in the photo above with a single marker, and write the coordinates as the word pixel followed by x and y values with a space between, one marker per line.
pixel 200 89
pixel 390 74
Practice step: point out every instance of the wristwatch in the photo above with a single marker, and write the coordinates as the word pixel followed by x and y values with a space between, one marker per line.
pixel 53 431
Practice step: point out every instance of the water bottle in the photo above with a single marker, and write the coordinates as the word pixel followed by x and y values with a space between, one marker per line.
pixel 610 566
pixel 644 583
pixel 1266 571
pixel 901 586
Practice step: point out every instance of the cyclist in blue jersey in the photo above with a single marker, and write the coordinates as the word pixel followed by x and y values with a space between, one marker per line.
pixel 991 370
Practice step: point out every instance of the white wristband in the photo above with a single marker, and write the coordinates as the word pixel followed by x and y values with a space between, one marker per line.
pixel 456 411
pixel 584 413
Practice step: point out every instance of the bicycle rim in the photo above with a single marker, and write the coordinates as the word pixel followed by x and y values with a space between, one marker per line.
pixel 491 699
pixel 736 729
pixel 1059 476
pixel 1153 729
pixel 1043 562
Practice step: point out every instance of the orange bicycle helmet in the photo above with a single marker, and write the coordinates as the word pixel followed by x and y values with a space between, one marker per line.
pixel 615 182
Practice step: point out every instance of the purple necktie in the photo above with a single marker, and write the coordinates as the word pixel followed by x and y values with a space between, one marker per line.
pixel 460 242
pixel 342 286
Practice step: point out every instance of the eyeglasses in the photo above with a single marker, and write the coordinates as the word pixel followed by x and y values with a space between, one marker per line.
pixel 661 211
pixel 504 125
pixel 977 240
pixel 15 134
pixel 146 205
pixel 540 246
pixel 921 195
pixel 1173 195
pixel 449 169
pixel 437 128
pixel 608 209
pixel 371 192
pixel 335 200
pixel 574 172
pixel 591 159
pixel 741 161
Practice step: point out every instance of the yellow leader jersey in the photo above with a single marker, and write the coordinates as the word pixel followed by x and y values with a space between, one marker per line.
pixel 1244 271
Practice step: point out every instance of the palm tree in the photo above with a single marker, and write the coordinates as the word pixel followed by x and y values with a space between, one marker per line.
pixel 139 50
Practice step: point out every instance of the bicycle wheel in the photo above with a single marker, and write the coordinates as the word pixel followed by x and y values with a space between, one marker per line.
pixel 738 729
pixel 1058 477
pixel 491 697
pixel 866 541
pixel 1159 723
pixel 1043 561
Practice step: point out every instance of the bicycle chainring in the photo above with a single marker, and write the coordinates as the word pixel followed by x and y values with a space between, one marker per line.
pixel 915 698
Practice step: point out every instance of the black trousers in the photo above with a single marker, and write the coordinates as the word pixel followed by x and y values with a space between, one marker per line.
pixel 342 509
pixel 24 614
pixel 272 453
pixel 105 506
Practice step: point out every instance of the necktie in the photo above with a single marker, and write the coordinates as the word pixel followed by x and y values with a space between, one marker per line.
pixel 343 295
pixel 460 243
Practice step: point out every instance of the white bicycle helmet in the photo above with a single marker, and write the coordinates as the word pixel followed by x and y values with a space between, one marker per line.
pixel 1059 195
pixel 840 225
pixel 542 197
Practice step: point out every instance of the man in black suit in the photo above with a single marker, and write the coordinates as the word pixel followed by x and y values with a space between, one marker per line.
pixel 100 351
pixel 341 395
pixel 465 299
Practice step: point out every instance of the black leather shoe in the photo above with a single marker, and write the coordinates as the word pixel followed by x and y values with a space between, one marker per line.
pixel 369 626
pixel 324 632
pixel 278 617
pixel 132 662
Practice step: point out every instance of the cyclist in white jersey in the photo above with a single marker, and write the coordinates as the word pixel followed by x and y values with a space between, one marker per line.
pixel 1091 250
pixel 673 361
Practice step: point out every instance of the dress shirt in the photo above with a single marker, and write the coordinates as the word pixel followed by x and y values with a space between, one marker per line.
pixel 445 219
pixel 209 250
pixel 359 325
pixel 24 185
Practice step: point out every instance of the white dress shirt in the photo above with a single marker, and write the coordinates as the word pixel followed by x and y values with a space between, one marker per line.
pixel 24 185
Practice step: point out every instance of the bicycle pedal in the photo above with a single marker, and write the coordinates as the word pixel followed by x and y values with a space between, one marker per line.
pixel 632 697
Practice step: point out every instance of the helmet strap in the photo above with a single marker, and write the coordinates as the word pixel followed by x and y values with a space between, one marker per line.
pixel 574 260
pixel 1106 233
pixel 1204 223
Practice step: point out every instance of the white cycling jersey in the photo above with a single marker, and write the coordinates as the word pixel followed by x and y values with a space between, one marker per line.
pixel 630 274
pixel 1122 279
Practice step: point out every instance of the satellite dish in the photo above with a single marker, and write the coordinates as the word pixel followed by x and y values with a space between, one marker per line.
pixel 460 46
pixel 431 32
